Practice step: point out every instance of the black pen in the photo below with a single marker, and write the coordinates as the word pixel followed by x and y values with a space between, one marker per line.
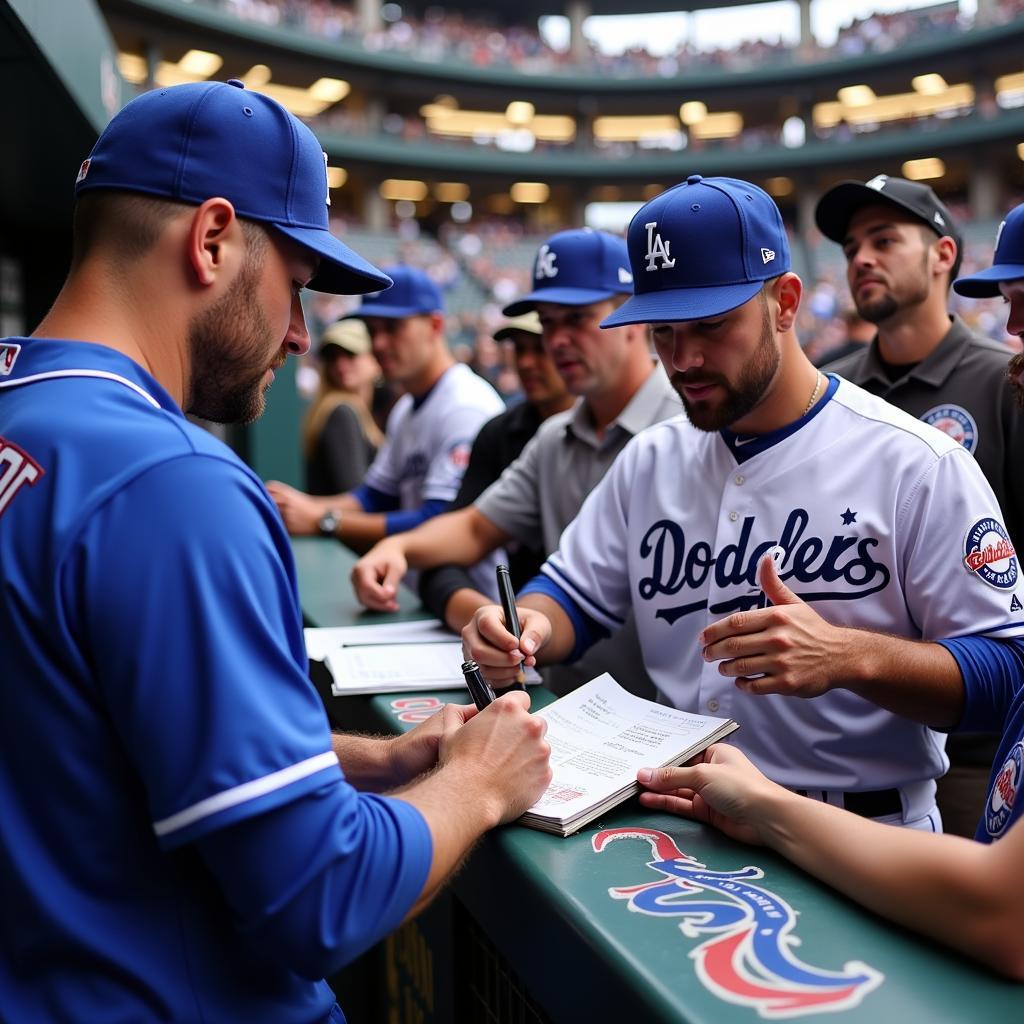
pixel 508 606
pixel 479 688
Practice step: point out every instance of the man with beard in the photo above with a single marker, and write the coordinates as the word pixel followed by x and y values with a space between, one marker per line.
pixel 902 251
pixel 430 431
pixel 179 840
pixel 874 516
pixel 966 895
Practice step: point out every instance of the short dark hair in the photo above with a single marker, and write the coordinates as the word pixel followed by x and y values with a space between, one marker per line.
pixel 129 225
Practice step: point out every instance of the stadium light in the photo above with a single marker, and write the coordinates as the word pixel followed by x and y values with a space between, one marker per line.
pixel 400 189
pixel 329 90
pixel 634 128
pixel 856 95
pixel 725 124
pixel 1020 150
pixel 529 192
pixel 336 177
pixel 451 192
pixel 201 63
pixel 693 112
pixel 926 167
pixel 133 68
pixel 929 85
pixel 520 112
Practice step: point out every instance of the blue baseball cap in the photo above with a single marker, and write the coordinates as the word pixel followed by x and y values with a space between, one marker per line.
pixel 1007 263
pixel 203 139
pixel 575 268
pixel 700 249
pixel 413 293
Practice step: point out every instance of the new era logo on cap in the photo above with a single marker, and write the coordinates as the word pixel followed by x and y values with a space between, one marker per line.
pixel 767 255
pixel 83 170
pixel 625 277
pixel 877 182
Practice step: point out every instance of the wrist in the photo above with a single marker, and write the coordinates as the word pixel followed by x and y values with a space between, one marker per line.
pixel 329 522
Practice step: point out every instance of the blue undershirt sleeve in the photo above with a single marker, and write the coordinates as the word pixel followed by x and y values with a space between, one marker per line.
pixel 993 673
pixel 373 500
pixel 318 881
pixel 410 518
pixel 587 630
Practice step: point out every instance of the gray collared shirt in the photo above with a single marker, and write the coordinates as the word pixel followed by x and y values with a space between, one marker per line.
pixel 961 388
pixel 540 493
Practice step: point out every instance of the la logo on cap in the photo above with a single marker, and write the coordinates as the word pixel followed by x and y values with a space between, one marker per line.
pixel 657 249
pixel 545 263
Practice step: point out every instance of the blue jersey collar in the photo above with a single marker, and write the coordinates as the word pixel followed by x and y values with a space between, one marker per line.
pixel 746 446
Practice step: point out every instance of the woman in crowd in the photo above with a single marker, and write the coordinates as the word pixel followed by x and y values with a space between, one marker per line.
pixel 340 436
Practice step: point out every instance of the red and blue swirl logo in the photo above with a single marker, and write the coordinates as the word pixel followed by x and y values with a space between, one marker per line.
pixel 748 958
pixel 1004 792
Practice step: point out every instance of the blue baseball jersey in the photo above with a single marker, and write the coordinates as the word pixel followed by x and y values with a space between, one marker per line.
pixel 886 524
pixel 168 790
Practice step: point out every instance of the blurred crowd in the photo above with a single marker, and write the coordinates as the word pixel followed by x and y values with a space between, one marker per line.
pixel 476 39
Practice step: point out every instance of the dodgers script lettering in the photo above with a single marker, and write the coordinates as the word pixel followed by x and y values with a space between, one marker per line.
pixel 677 567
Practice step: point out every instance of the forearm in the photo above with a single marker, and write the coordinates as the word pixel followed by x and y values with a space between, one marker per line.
pixel 461 606
pixel 456 820
pixel 361 530
pixel 912 678
pixel 367 761
pixel 455 538
pixel 952 889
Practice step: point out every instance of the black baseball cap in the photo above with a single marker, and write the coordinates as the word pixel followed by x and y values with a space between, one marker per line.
pixel 836 207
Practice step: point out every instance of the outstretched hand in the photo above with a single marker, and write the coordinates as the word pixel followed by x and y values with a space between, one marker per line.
pixel 787 648
pixel 719 787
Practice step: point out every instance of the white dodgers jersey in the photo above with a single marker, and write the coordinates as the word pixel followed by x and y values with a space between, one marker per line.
pixel 426 449
pixel 886 524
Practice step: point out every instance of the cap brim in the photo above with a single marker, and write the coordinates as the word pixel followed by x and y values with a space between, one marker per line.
pixel 342 271
pixel 560 296
pixel 836 208
pixel 985 284
pixel 677 304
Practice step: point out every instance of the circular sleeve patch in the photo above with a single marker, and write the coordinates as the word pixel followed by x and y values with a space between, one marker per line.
pixel 955 421
pixel 989 555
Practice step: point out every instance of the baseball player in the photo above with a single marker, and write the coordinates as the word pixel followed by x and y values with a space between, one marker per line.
pixel 902 249
pixel 884 524
pixel 430 431
pixel 178 840
pixel 579 278
pixel 963 894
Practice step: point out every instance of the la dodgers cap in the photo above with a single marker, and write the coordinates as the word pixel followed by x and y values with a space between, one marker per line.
pixel 412 293
pixel 700 249
pixel 195 141
pixel 837 206
pixel 1007 263
pixel 575 268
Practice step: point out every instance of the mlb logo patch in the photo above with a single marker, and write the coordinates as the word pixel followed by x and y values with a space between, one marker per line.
pixel 8 353
pixel 989 554
pixel 1004 792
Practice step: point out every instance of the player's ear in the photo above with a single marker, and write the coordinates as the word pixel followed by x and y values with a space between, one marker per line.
pixel 215 240
pixel 944 254
pixel 786 291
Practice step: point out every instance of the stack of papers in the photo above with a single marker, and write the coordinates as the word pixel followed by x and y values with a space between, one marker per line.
pixel 393 657
pixel 600 736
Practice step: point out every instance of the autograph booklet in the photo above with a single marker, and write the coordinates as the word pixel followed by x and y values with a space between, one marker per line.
pixel 600 735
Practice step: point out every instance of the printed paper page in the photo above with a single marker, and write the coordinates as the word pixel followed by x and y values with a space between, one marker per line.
pixel 601 734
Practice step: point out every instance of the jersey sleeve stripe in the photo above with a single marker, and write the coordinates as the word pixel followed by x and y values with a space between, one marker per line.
pixel 595 611
pixel 245 792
